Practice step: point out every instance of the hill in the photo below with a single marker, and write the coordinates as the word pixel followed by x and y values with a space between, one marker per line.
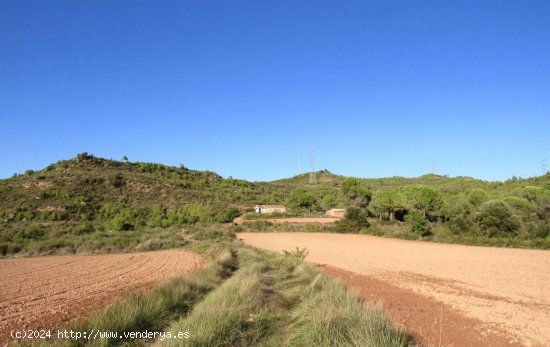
pixel 88 197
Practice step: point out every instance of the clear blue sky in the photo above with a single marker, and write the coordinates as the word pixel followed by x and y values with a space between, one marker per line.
pixel 246 88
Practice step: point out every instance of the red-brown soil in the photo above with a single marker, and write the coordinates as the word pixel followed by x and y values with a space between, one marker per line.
pixel 486 296
pixel 47 292
pixel 431 323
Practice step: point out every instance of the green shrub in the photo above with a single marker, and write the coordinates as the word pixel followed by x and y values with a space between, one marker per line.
pixel 356 192
pixel 301 198
pixel 31 233
pixel 461 224
pixel 4 248
pixel 300 253
pixel 157 215
pixel 357 215
pixel 372 230
pixel 521 205
pixel 418 223
pixel 85 228
pixel 83 156
pixel 120 223
pixel 356 218
pixel 259 225
pixel 534 229
pixel 496 218
pixel 117 180
pixel 227 215
pixel 477 196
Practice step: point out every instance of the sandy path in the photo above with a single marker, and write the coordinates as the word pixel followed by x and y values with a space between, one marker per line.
pixel 44 292
pixel 296 220
pixel 505 290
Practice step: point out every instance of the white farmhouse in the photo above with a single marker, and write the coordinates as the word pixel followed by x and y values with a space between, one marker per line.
pixel 270 209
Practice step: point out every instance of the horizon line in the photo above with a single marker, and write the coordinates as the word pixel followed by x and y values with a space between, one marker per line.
pixel 513 177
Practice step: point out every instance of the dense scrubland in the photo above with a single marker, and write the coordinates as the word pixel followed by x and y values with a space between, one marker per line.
pixel 90 204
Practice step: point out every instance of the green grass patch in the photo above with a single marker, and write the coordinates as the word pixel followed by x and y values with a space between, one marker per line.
pixel 328 315
pixel 275 300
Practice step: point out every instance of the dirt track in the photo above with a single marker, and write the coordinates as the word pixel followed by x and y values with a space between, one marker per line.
pixel 45 292
pixel 295 220
pixel 497 296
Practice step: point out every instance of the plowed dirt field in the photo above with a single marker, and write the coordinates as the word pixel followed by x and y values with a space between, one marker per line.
pixel 451 295
pixel 45 292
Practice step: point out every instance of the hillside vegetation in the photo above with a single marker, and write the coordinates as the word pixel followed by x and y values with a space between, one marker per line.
pixel 95 204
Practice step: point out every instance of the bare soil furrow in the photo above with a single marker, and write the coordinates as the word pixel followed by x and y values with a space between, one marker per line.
pixel 51 291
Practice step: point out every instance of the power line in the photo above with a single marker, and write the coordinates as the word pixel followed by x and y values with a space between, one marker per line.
pixel 434 167
pixel 312 173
